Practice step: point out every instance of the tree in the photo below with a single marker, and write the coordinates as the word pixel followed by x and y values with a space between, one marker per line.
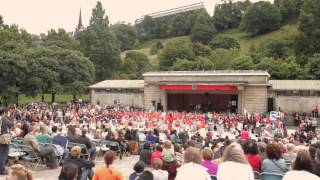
pixel 279 49
pixel 99 44
pixel 61 39
pixel 178 26
pixel 308 40
pixel 223 58
pixel 228 14
pixel 313 66
pixel 199 64
pixel 175 49
pixel 242 63
pixel 126 35
pixel 202 33
pixel 224 42
pixel 201 50
pixel 289 9
pixel 135 64
pixel 261 17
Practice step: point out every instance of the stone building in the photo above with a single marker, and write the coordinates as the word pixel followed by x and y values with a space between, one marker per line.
pixel 235 91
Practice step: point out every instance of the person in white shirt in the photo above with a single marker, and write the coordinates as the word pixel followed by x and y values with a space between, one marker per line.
pixel 192 168
pixel 158 174
pixel 235 164
pixel 301 168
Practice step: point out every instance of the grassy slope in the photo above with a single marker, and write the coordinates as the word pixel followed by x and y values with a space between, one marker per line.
pixel 245 41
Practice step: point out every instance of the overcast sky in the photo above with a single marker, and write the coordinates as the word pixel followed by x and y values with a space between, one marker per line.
pixel 38 16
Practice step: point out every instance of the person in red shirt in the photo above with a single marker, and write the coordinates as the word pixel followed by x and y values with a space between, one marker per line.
pixel 157 153
pixel 250 148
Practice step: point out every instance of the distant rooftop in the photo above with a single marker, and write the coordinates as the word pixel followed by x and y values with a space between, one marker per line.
pixel 119 84
pixel 209 73
pixel 173 11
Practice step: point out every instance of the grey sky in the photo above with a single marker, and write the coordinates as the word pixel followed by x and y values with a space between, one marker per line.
pixel 38 16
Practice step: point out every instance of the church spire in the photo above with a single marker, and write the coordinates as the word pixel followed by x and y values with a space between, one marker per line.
pixel 79 27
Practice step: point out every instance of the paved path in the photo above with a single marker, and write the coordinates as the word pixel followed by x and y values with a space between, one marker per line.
pixel 125 166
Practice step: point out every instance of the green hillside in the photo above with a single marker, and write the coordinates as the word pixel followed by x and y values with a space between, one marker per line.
pixel 245 41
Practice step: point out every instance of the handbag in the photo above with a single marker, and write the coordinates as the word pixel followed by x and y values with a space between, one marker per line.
pixel 4 138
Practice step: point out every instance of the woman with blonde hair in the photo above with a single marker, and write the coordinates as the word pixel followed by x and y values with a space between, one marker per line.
pixel 236 162
pixel 19 172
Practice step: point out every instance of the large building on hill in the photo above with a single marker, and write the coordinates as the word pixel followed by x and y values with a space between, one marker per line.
pixel 174 11
pixel 236 91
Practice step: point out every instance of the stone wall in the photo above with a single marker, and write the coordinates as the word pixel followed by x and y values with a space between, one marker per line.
pixel 255 99
pixel 296 104
pixel 126 99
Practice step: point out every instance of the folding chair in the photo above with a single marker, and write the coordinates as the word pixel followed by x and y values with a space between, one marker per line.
pixel 56 151
pixel 271 176
pixel 104 146
pixel 115 146
pixel 30 156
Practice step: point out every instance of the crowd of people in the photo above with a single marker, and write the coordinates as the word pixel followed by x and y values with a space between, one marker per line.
pixel 171 145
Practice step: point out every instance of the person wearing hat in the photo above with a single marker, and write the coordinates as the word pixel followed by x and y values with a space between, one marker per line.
pixel 5 125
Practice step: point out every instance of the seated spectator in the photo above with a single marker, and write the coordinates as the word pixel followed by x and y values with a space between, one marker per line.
pixel 212 167
pixel 168 152
pixel 138 169
pixel 301 168
pixel 157 153
pixel 72 136
pixel 83 139
pixel 245 134
pixel 158 173
pixel 274 163
pixel 151 138
pixel 145 154
pixel 19 172
pixel 178 154
pixel 250 148
pixel 69 172
pixel 235 164
pixel 146 175
pixel 47 153
pixel 108 172
pixel 291 154
pixel 43 137
pixel 316 169
pixel 262 146
pixel 84 166
pixel 192 169
pixel 61 141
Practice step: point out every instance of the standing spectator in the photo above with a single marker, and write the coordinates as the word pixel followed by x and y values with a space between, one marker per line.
pixel 19 172
pixel 245 134
pixel 235 161
pixel 212 167
pixel 250 148
pixel 108 172
pixel 157 153
pixel 274 163
pixel 291 154
pixel 301 168
pixel 192 169
pixel 145 154
pixel 168 152
pixel 5 125
pixel 158 174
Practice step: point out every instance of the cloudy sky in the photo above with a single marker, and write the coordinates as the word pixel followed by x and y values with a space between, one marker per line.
pixel 38 16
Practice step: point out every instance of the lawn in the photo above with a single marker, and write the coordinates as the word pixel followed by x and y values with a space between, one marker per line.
pixel 47 97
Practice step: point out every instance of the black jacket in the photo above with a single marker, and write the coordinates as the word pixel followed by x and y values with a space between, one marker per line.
pixel 80 163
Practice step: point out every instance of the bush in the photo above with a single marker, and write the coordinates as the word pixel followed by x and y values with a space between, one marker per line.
pixel 225 43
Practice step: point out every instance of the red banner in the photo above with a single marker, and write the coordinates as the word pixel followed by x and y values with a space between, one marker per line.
pixel 184 87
